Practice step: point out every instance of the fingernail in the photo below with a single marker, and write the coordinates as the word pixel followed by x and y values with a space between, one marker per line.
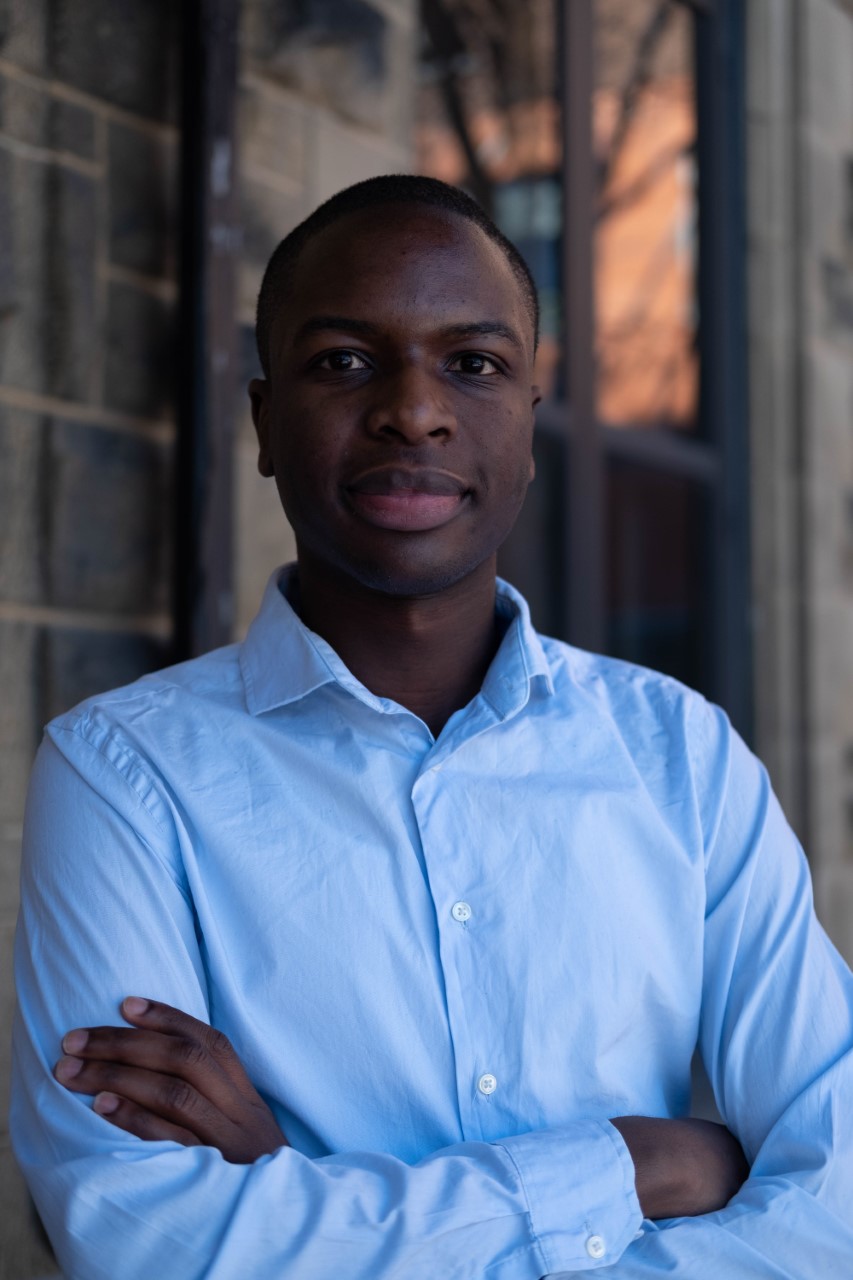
pixel 135 1005
pixel 75 1041
pixel 105 1104
pixel 68 1068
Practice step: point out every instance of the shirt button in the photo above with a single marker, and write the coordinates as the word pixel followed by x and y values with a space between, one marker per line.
pixel 487 1084
pixel 461 912
pixel 595 1247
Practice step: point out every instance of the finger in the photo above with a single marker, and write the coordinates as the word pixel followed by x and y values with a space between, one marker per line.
pixel 172 1099
pixel 153 1015
pixel 175 1055
pixel 141 1123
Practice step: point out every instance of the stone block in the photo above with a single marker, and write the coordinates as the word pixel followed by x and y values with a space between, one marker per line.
pixel 24 223
pixel 7 1010
pixel 829 57
pixel 830 414
pixel 71 128
pixel 769 184
pixel 143 200
pixel 25 33
pixel 125 54
pixel 24 111
pixel 24 1250
pixel 332 52
pixel 31 115
pixel 70 300
pixel 140 356
pixel 831 683
pixel 769 27
pixel 10 870
pixel 8 266
pixel 339 156
pixel 20 723
pixel 835 909
pixel 108 520
pixel 271 133
pixel 47 277
pixel 22 495
pixel 263 539
pixel 268 214
pixel 78 663
pixel 826 195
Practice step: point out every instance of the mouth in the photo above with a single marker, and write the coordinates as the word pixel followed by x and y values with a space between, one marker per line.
pixel 409 501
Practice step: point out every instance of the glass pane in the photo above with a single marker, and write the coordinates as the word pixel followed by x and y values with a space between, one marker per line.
pixel 644 114
pixel 487 119
pixel 532 556
pixel 658 572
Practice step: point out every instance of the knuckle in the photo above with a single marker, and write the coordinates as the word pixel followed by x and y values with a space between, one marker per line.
pixel 189 1053
pixel 218 1043
pixel 179 1096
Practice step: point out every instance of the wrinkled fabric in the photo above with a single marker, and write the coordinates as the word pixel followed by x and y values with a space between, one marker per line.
pixel 445 963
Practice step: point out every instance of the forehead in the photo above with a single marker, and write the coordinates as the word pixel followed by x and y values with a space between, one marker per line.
pixel 405 263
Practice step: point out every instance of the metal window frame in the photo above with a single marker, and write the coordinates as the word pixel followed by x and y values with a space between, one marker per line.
pixel 210 242
pixel 718 456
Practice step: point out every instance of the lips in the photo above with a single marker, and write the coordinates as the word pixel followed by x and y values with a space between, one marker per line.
pixel 407 500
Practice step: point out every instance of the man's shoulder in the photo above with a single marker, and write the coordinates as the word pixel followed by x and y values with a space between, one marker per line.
pixel 186 689
pixel 617 686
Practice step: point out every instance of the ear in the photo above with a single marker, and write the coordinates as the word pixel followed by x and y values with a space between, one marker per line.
pixel 259 394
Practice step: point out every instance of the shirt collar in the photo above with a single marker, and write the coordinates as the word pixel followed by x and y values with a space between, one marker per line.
pixel 282 661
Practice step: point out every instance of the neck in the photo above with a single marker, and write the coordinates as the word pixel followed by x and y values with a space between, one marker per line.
pixel 428 653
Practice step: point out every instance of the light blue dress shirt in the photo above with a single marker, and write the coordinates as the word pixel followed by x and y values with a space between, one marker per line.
pixel 445 963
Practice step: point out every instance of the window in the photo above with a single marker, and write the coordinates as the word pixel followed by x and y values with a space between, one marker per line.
pixel 604 137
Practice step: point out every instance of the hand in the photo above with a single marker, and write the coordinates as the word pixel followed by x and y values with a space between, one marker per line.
pixel 683 1168
pixel 172 1078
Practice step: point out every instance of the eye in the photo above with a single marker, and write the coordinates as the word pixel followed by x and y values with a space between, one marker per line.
pixel 341 362
pixel 474 362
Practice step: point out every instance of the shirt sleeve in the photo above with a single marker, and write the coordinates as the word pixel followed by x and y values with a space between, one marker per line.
pixel 106 912
pixel 776 1037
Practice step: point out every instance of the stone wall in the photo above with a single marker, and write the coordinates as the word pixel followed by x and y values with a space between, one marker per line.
pixel 88 234
pixel 88 153
pixel 800 153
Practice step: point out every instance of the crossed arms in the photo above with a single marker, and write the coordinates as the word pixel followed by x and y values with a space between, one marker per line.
pixel 514 1209
pixel 179 1080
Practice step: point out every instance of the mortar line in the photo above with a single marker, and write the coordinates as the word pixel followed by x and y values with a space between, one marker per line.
pixel 158 626
pixel 94 415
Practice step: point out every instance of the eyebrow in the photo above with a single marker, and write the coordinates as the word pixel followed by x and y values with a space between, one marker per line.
pixel 339 324
pixel 483 328
pixel 348 324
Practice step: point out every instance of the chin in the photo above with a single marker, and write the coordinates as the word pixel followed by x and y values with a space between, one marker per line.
pixel 417 576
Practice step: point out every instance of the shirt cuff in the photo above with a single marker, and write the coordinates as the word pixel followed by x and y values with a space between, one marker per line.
pixel 581 1194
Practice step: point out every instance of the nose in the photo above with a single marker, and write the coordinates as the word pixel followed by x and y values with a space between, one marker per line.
pixel 410 406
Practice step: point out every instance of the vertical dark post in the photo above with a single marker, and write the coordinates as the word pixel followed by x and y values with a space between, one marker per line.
pixel 585 482
pixel 720 83
pixel 210 242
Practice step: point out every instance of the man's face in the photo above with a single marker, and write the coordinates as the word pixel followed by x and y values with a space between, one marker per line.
pixel 398 418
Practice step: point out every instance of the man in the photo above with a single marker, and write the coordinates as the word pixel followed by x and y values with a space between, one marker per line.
pixel 459 901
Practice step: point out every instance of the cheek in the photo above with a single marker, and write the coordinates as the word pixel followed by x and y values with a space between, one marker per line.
pixel 514 464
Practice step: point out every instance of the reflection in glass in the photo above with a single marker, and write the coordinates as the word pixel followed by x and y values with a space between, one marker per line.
pixel 657 572
pixel 532 557
pixel 488 120
pixel 644 117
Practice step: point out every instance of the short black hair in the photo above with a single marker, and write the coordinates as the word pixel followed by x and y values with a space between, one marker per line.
pixel 392 188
